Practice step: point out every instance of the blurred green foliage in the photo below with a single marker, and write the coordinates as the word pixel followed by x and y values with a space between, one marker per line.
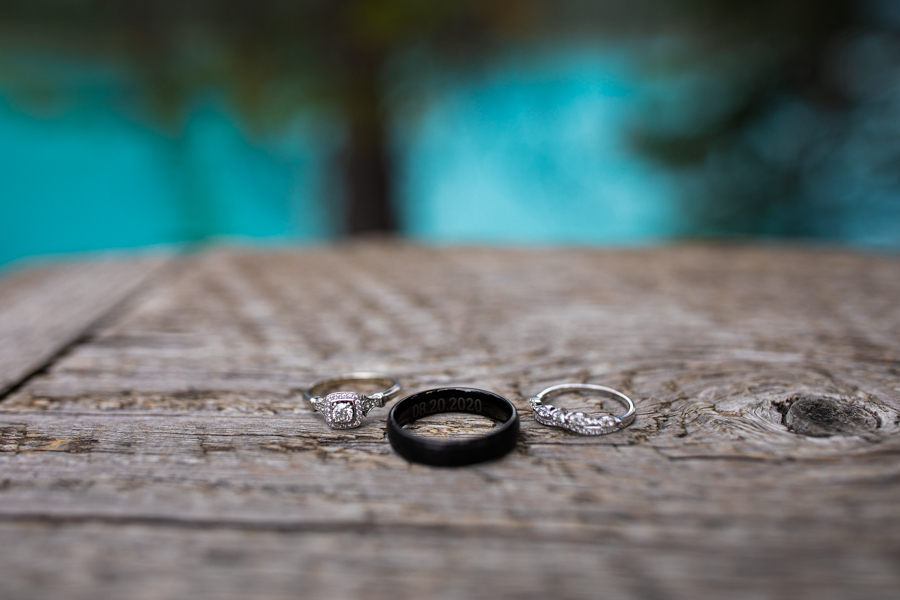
pixel 774 100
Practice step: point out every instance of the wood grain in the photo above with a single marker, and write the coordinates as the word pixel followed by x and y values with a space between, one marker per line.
pixel 169 454
pixel 43 310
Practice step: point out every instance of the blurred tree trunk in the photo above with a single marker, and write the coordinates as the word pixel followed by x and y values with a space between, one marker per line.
pixel 366 160
pixel 366 170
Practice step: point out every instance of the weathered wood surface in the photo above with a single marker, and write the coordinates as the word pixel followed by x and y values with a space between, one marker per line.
pixel 43 310
pixel 168 454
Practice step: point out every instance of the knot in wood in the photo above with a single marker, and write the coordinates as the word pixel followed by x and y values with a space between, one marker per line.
pixel 818 416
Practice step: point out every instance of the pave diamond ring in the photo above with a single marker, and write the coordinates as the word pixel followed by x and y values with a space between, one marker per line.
pixel 345 410
pixel 579 422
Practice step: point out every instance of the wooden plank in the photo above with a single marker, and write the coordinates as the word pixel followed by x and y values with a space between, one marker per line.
pixel 44 309
pixel 149 561
pixel 171 450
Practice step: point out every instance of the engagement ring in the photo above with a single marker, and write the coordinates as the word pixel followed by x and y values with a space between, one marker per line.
pixel 345 410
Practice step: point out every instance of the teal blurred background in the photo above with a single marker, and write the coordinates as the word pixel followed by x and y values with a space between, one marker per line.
pixel 559 133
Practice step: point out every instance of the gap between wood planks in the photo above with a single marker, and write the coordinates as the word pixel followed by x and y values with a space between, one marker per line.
pixel 157 270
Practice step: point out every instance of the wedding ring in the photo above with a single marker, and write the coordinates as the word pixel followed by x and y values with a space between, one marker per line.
pixel 579 422
pixel 345 410
pixel 451 453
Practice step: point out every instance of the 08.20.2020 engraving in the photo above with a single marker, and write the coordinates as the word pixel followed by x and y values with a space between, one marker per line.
pixel 439 405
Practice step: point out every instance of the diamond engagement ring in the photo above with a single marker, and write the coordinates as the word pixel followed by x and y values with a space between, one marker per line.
pixel 345 410
pixel 579 422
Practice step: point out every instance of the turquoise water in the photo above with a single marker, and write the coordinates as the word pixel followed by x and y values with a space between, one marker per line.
pixel 528 151
pixel 91 178
pixel 536 151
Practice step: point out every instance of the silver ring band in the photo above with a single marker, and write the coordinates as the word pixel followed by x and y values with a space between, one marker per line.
pixel 579 422
pixel 345 410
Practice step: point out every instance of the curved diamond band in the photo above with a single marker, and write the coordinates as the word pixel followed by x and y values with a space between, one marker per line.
pixel 345 410
pixel 579 422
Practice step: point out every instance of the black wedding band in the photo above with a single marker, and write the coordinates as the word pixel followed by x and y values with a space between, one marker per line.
pixel 452 453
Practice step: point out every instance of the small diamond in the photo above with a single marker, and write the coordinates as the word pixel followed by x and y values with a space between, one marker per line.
pixel 342 412
pixel 366 403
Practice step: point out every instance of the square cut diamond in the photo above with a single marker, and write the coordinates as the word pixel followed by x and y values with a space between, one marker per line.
pixel 342 412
